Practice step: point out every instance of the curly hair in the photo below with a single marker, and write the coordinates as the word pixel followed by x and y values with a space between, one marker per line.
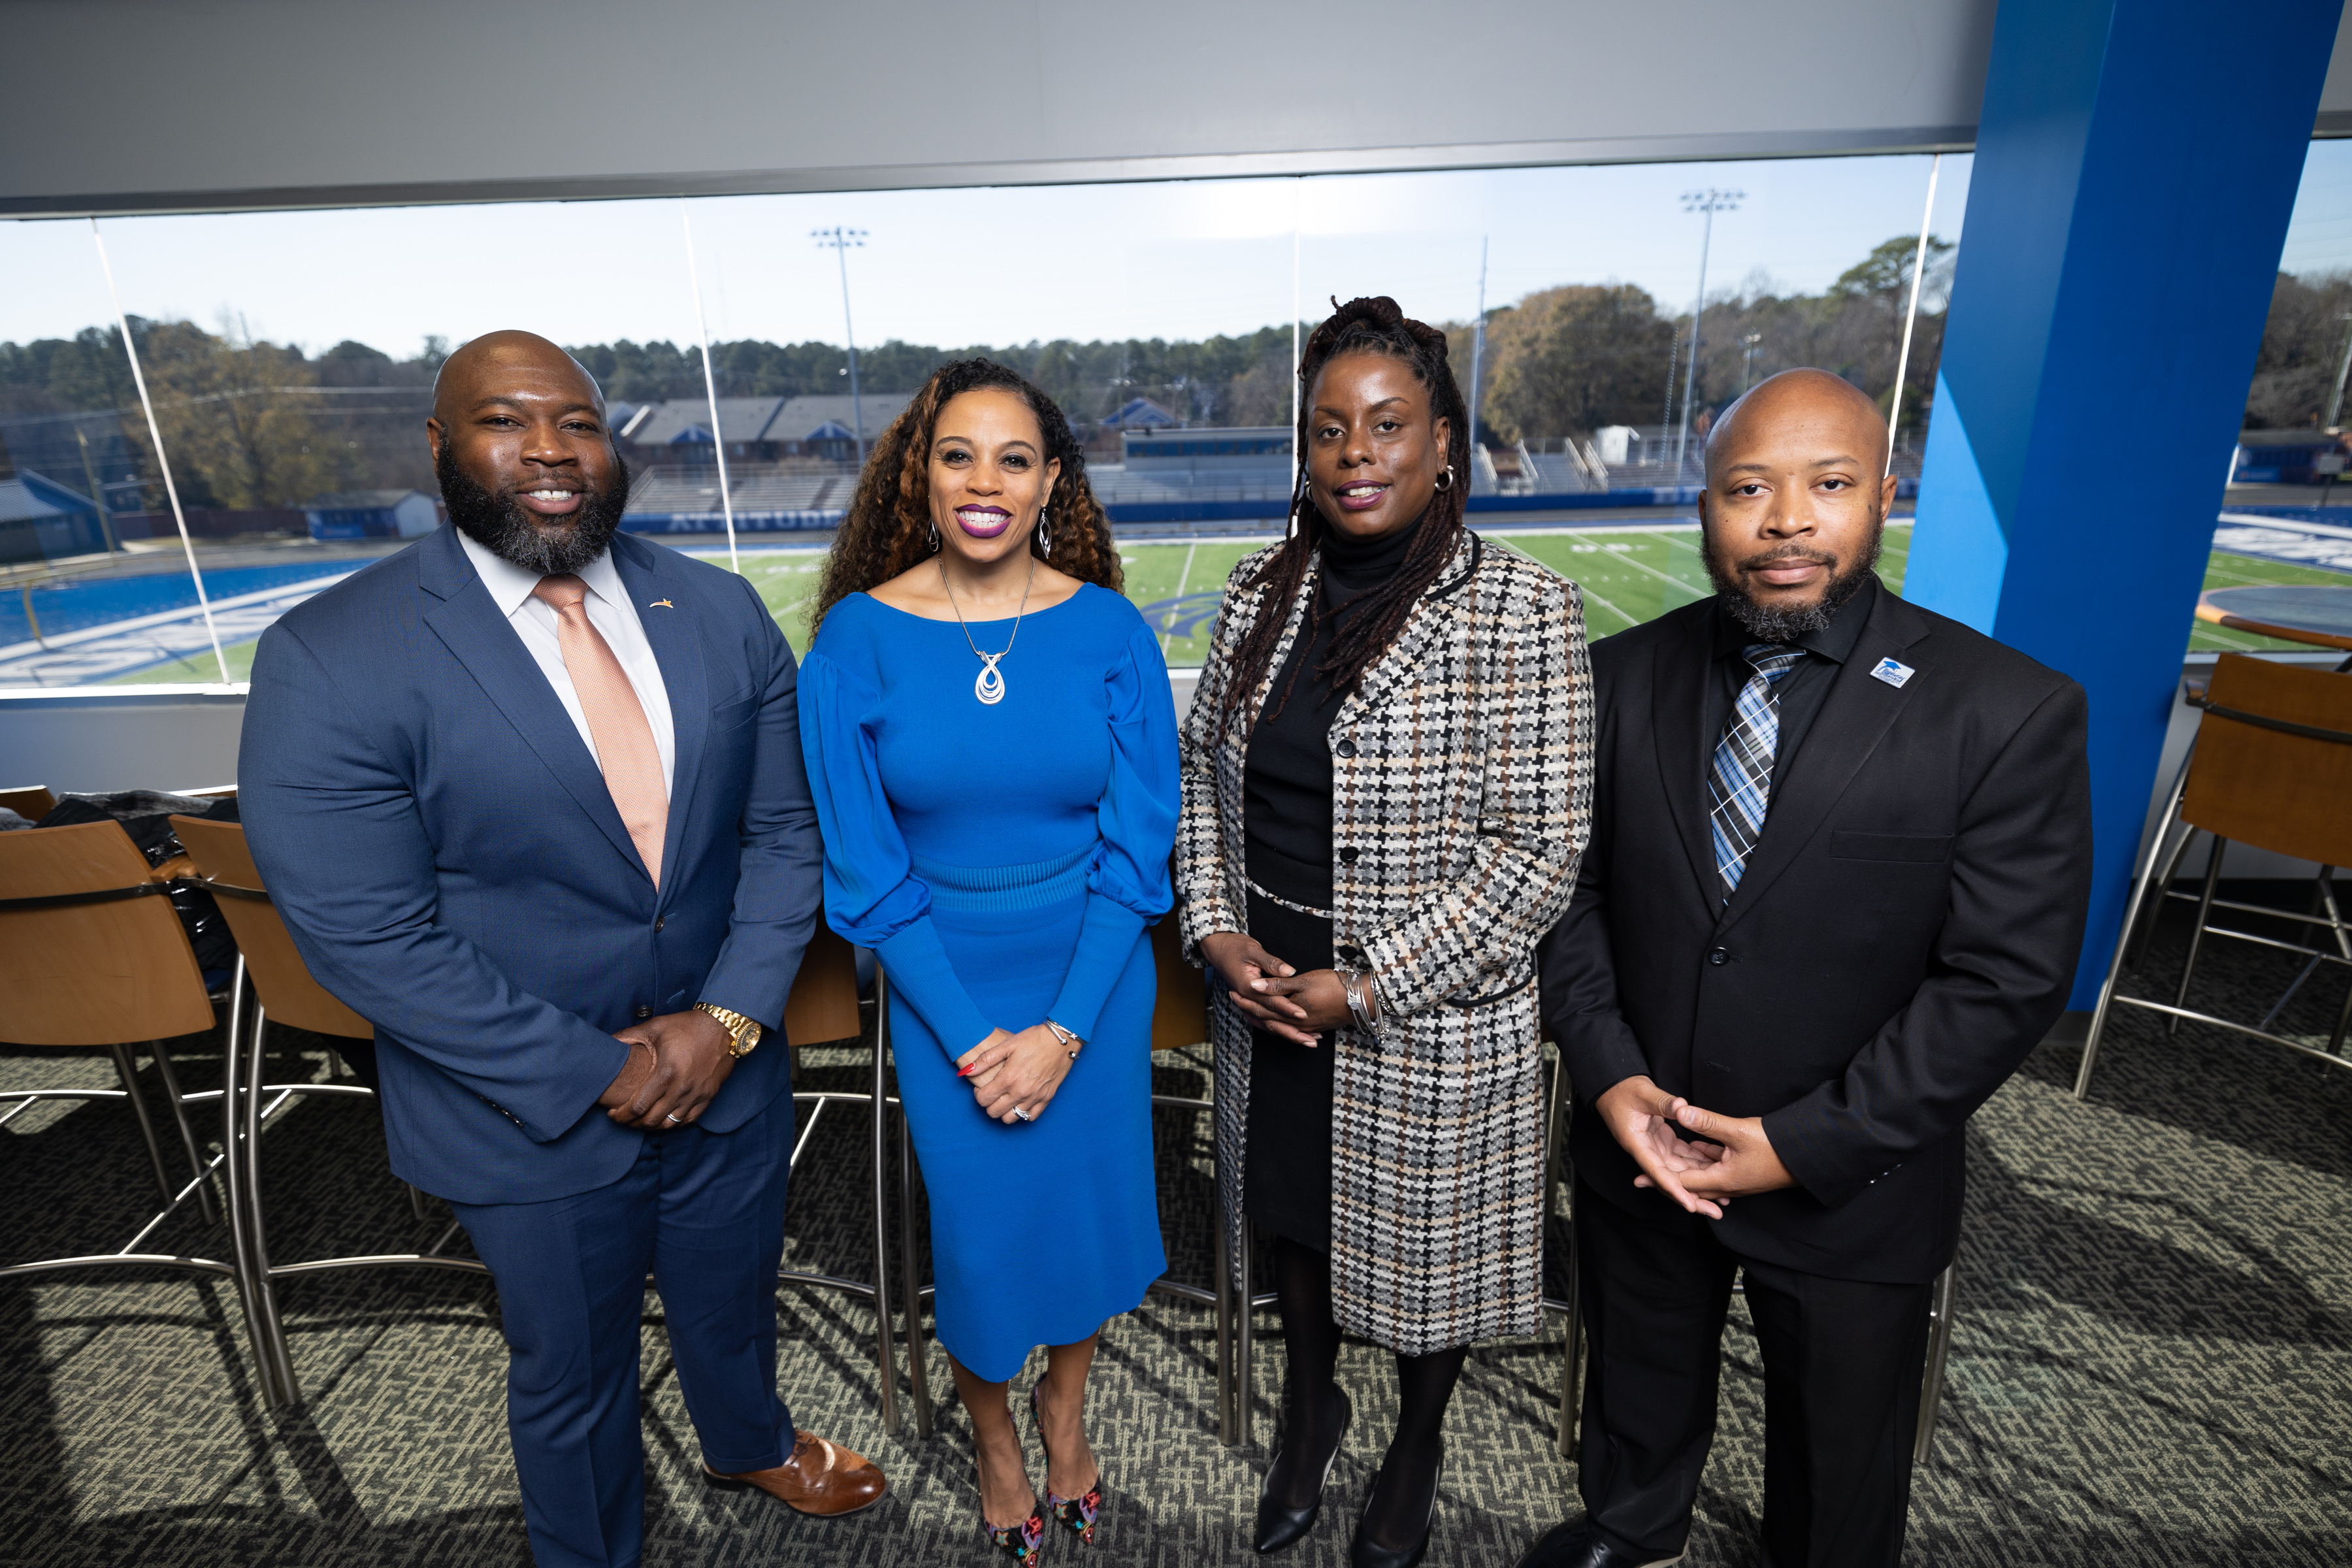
pixel 1377 326
pixel 887 529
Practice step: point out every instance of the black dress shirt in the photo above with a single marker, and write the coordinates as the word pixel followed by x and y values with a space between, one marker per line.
pixel 1802 690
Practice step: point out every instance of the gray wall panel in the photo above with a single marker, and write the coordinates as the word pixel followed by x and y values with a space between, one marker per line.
pixel 178 738
pixel 120 105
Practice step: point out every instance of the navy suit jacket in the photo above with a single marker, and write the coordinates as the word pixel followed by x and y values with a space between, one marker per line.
pixel 441 843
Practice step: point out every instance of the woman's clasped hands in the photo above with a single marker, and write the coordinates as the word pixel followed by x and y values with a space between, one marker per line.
pixel 1015 1076
pixel 1275 996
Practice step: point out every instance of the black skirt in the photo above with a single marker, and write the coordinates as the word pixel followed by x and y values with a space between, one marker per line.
pixel 1286 1160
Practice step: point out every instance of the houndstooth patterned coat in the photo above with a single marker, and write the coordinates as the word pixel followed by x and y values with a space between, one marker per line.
pixel 1457 818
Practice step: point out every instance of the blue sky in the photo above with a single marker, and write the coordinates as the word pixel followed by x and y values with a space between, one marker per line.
pixel 1005 265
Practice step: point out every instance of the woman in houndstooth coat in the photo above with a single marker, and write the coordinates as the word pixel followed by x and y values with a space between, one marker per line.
pixel 1387 776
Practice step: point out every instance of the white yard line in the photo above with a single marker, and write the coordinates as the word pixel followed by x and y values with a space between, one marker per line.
pixel 1181 578
pixel 1592 598
pixel 165 617
pixel 1628 557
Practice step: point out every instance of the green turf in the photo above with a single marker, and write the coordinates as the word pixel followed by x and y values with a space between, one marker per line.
pixel 787 585
pixel 1627 576
pixel 200 670
pixel 1155 573
pixel 2226 570
pixel 1159 572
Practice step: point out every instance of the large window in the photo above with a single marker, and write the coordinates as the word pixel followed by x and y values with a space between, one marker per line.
pixel 289 358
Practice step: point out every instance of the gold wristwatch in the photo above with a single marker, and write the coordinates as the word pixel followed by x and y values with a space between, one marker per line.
pixel 745 1030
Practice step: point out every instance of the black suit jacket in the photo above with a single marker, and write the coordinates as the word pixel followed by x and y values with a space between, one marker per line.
pixel 1905 932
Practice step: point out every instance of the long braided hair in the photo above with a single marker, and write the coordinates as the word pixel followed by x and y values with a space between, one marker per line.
pixel 889 529
pixel 1361 326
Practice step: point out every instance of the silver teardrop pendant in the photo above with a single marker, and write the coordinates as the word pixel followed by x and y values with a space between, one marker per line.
pixel 989 685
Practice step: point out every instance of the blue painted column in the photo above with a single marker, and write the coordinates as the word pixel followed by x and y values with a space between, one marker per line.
pixel 2137 162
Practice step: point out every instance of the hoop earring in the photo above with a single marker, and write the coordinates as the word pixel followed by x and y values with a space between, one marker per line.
pixel 1044 535
pixel 934 529
pixel 1447 479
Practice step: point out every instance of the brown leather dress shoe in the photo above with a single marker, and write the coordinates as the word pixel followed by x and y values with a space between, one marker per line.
pixel 821 1478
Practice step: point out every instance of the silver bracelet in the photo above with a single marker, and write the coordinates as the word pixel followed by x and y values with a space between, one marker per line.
pixel 1070 1042
pixel 1352 981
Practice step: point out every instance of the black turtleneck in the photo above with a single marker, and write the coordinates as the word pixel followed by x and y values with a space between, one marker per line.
pixel 1286 785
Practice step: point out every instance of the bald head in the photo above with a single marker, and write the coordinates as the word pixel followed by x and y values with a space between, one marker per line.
pixel 1796 496
pixel 526 460
pixel 1813 400
pixel 508 358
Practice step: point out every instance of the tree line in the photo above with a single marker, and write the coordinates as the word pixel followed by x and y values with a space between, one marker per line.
pixel 2303 351
pixel 253 423
pixel 1567 360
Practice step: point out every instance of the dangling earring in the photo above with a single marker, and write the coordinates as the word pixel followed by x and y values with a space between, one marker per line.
pixel 1446 480
pixel 935 537
pixel 1045 538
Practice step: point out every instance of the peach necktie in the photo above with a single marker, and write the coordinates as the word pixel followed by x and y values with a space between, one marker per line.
pixel 624 742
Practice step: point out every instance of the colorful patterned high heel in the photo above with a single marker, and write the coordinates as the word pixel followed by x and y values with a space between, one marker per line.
pixel 1019 1542
pixel 1076 1514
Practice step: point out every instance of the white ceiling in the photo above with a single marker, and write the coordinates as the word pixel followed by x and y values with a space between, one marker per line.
pixel 155 105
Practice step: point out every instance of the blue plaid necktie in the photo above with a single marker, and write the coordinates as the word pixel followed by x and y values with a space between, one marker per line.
pixel 1739 784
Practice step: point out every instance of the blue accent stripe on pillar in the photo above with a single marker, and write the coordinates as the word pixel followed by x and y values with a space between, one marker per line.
pixel 1959 551
pixel 2137 163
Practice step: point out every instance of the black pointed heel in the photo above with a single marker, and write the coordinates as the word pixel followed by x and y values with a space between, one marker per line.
pixel 1277 1526
pixel 1075 1514
pixel 1365 1553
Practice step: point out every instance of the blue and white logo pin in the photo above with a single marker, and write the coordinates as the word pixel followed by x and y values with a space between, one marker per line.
pixel 1891 671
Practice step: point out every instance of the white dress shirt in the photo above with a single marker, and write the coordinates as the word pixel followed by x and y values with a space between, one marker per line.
pixel 610 613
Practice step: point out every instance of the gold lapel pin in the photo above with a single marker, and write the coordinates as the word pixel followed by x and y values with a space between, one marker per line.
pixel 661 604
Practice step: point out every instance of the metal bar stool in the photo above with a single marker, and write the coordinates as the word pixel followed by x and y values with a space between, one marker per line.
pixel 1180 1020
pixel 822 1005
pixel 281 988
pixel 2270 766
pixel 89 958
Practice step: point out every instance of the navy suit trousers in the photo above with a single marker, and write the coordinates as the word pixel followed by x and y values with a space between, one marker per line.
pixel 703 1213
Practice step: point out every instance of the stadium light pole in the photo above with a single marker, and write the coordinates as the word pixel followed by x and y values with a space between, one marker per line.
pixel 163 461
pixel 838 240
pixel 1290 525
pixel 2335 404
pixel 1911 316
pixel 1478 362
pixel 710 392
pixel 1710 202
pixel 1747 369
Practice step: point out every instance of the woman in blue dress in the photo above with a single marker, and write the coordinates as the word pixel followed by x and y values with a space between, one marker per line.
pixel 993 750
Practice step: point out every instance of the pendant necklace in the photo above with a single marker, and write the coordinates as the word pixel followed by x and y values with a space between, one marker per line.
pixel 989 685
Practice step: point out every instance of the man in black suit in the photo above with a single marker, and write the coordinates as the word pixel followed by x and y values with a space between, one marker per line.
pixel 1841 858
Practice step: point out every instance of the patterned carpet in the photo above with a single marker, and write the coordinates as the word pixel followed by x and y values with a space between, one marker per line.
pixel 2153 1363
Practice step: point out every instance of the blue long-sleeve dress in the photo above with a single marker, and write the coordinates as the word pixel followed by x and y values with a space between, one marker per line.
pixel 1004 862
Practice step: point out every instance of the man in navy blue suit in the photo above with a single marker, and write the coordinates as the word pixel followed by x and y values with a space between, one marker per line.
pixel 529 796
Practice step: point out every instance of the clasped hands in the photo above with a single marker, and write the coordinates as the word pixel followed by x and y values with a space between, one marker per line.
pixel 676 1066
pixel 1010 1074
pixel 1272 994
pixel 1732 1157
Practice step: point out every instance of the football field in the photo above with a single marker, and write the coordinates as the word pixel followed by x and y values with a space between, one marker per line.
pixel 1629 574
